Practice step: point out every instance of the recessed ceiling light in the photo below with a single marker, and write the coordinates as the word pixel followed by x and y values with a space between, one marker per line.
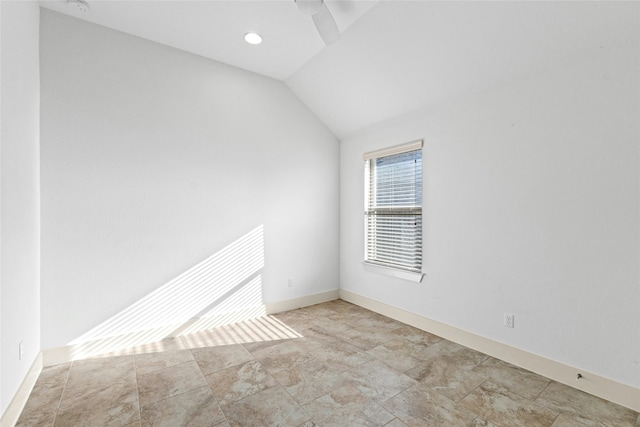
pixel 253 38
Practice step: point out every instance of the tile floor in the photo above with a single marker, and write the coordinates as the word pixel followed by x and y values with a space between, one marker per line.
pixel 332 364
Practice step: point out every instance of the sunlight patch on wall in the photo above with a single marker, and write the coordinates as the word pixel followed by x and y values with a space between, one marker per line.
pixel 223 289
pixel 245 303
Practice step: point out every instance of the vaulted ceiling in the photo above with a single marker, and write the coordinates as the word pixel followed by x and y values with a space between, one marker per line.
pixel 394 57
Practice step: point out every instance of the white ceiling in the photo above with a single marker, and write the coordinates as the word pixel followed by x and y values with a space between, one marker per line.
pixel 405 56
pixel 215 28
pixel 394 56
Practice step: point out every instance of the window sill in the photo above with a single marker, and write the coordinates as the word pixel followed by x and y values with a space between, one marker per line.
pixel 393 272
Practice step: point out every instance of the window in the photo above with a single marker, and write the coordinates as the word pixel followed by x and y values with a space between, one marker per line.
pixel 393 209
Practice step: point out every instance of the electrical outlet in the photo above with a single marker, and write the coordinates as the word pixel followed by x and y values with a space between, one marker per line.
pixel 20 351
pixel 509 319
pixel 290 283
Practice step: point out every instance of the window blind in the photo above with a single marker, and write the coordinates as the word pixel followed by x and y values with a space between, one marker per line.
pixel 393 207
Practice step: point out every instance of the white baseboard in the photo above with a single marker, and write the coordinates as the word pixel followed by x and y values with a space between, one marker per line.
pixel 594 384
pixel 597 385
pixel 305 301
pixel 13 411
pixel 121 343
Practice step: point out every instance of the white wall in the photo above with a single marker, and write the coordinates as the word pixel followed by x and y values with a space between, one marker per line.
pixel 531 206
pixel 153 160
pixel 19 194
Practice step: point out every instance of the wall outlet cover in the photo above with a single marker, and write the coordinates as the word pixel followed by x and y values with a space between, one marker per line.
pixel 509 320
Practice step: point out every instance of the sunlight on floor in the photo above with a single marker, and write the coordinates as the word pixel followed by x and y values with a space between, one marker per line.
pixel 216 302
pixel 260 329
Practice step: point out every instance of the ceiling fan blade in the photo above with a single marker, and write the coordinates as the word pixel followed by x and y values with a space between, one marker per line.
pixel 326 25
pixel 309 7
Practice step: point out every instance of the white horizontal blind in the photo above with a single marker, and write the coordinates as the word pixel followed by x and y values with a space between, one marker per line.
pixel 393 207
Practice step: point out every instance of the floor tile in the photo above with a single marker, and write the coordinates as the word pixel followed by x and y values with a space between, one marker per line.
pixel 496 404
pixel 164 383
pixel 149 362
pixel 341 306
pixel 334 343
pixel 167 344
pixel 116 405
pixel 416 335
pixel 322 336
pixel 197 407
pixel 421 406
pixel 210 338
pixel 446 353
pixel 262 329
pixel 238 382
pixel 367 337
pixel 371 320
pixel 259 345
pixel 446 378
pixel 465 357
pixel 399 353
pixel 102 396
pixel 517 380
pixel 348 318
pixel 342 356
pixel 266 328
pixel 279 329
pixel 309 381
pixel 481 422
pixel 284 355
pixel 347 406
pixel 378 381
pixel 252 330
pixel 212 359
pixel 566 420
pixel 395 423
pixel 296 319
pixel 43 402
pixel 81 385
pixel 53 376
pixel 335 326
pixel 99 366
pixel 100 384
pixel 270 407
pixel 347 365
pixel 319 310
pixel 588 409
pixel 40 409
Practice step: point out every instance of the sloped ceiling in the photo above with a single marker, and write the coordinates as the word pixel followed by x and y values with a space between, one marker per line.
pixel 215 28
pixel 405 56
pixel 394 57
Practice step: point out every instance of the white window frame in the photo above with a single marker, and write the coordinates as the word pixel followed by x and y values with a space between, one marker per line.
pixel 391 265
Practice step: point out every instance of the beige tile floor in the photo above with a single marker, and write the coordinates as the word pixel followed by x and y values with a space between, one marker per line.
pixel 332 364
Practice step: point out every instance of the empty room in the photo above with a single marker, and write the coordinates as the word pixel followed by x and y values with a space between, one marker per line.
pixel 310 213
